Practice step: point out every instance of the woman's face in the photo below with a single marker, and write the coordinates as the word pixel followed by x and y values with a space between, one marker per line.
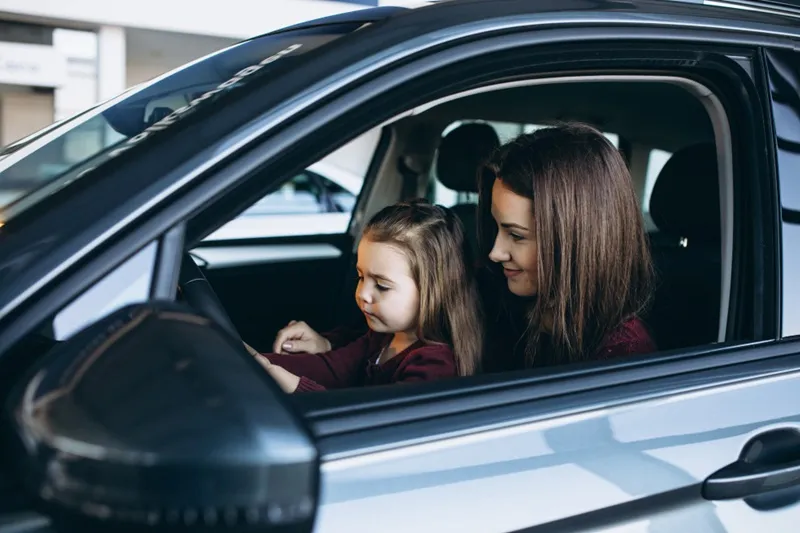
pixel 515 247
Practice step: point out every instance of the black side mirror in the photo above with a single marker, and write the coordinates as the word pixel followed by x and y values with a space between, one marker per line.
pixel 156 417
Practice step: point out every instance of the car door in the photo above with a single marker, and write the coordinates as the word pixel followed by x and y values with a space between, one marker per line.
pixel 703 439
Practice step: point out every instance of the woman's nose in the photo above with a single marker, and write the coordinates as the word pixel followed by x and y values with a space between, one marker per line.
pixel 498 254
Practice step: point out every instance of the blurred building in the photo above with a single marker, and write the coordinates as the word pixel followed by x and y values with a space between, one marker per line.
pixel 58 58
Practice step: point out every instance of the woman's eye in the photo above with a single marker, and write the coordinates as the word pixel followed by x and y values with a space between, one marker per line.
pixel 516 237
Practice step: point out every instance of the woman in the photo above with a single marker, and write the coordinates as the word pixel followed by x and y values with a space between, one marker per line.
pixel 569 270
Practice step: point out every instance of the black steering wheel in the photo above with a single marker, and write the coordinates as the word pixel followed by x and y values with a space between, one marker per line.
pixel 197 292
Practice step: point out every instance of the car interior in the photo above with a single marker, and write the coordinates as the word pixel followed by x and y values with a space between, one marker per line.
pixel 439 146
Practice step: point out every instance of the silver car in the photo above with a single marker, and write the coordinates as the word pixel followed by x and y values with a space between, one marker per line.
pixel 128 403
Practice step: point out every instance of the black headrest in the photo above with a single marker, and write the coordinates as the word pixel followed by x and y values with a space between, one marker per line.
pixel 462 152
pixel 685 198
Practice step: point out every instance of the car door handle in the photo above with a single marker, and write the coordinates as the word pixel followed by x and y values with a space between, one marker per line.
pixel 768 463
pixel 742 480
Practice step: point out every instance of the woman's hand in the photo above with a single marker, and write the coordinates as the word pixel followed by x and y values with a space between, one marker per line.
pixel 298 337
pixel 285 379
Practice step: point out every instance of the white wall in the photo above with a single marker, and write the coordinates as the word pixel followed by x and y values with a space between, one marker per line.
pixel 151 53
pixel 231 18
pixel 22 113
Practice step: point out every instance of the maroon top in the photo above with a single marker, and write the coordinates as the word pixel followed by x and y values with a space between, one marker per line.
pixel 630 338
pixel 355 364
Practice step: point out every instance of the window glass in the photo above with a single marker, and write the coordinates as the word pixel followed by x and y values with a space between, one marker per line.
pixel 58 155
pixel 301 194
pixel 655 162
pixel 342 200
pixel 127 284
pixel 318 201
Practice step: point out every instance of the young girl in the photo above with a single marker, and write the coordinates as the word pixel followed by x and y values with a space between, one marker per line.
pixel 419 298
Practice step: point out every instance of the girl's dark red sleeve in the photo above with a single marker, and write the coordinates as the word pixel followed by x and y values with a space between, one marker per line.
pixel 336 369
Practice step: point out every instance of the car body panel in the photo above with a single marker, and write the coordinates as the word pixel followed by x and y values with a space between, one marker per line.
pixel 641 458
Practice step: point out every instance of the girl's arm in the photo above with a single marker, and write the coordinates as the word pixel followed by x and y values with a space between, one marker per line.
pixel 332 370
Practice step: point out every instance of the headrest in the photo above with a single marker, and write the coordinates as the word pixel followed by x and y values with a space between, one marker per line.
pixel 685 198
pixel 462 152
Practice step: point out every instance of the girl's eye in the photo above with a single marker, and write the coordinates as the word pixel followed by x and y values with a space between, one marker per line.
pixel 360 277
pixel 381 287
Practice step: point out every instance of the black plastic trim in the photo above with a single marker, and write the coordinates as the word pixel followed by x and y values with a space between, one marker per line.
pixel 168 263
pixel 359 409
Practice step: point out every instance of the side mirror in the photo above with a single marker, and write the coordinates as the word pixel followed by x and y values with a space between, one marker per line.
pixel 154 416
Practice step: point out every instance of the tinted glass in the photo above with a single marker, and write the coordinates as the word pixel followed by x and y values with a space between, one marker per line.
pixel 48 160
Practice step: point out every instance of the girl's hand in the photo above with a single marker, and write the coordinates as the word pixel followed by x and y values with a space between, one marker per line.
pixel 298 337
pixel 285 379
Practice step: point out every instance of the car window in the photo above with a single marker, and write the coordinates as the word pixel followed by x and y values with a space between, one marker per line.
pixel 342 200
pixel 655 162
pixel 128 283
pixel 318 201
pixel 300 194
pixel 48 160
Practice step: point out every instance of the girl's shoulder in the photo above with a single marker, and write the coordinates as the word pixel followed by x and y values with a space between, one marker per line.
pixel 429 353
pixel 632 337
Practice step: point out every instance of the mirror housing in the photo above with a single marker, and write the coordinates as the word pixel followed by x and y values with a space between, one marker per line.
pixel 155 416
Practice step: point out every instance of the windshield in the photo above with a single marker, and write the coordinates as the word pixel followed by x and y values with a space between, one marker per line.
pixel 43 162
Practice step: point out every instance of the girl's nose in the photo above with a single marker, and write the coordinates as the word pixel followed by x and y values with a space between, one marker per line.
pixel 498 254
pixel 363 294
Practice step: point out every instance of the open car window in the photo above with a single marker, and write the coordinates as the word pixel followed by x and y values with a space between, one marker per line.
pixel 48 160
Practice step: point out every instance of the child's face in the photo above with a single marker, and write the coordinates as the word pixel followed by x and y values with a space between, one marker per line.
pixel 386 292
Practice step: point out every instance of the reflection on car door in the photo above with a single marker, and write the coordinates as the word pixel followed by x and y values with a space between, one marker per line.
pixel 622 459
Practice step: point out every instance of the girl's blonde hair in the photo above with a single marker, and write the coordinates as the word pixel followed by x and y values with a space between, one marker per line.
pixel 432 238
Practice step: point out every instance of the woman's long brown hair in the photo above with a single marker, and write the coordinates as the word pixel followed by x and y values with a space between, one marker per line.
pixel 432 238
pixel 595 269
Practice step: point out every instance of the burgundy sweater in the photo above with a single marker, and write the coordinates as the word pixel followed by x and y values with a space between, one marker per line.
pixel 355 364
pixel 506 354
pixel 630 338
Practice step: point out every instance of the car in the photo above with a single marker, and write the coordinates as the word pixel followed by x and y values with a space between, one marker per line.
pixel 129 401
pixel 317 201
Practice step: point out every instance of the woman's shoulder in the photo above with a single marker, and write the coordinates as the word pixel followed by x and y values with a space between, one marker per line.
pixel 632 337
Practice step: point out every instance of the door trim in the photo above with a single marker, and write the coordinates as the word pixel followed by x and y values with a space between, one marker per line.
pixel 218 257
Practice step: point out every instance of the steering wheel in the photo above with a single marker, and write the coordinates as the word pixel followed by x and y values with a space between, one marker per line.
pixel 197 292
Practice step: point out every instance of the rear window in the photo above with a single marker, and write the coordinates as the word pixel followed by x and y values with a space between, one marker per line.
pixel 42 163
